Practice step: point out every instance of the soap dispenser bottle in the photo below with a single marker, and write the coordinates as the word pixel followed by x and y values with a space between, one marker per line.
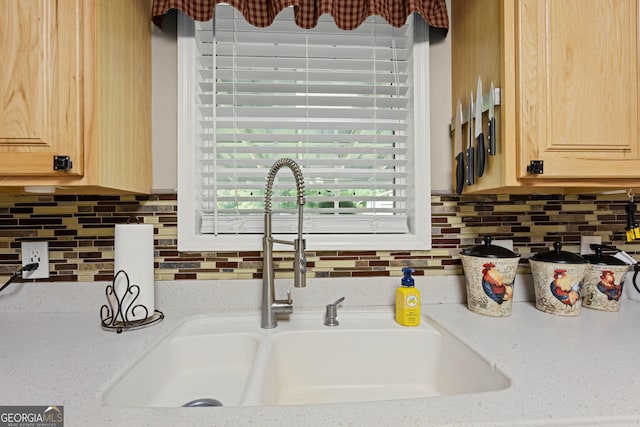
pixel 407 301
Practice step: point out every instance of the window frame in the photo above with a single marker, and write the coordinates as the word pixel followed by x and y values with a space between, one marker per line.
pixel 419 203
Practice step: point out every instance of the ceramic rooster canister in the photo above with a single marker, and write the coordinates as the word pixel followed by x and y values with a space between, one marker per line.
pixel 489 272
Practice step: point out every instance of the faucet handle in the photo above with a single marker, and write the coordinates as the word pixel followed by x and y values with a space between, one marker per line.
pixel 338 302
pixel 331 317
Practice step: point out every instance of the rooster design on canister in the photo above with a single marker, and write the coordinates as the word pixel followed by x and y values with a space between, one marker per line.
pixel 607 285
pixel 562 288
pixel 493 284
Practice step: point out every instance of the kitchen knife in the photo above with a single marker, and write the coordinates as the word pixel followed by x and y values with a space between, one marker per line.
pixel 471 157
pixel 492 122
pixel 478 133
pixel 457 149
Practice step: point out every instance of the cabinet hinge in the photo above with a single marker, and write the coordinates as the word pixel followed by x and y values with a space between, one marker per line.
pixel 62 163
pixel 536 167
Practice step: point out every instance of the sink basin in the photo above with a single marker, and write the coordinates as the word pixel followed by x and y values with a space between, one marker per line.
pixel 190 364
pixel 380 364
pixel 367 357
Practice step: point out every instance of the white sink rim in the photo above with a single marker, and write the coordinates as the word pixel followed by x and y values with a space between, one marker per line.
pixel 377 321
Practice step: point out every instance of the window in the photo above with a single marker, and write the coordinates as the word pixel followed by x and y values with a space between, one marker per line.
pixel 350 107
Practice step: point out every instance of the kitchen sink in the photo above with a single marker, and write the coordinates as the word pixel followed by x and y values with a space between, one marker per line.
pixel 367 357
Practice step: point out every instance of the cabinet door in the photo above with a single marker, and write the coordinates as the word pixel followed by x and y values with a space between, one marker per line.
pixel 577 77
pixel 40 87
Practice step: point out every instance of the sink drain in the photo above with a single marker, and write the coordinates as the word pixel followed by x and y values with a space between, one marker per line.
pixel 202 403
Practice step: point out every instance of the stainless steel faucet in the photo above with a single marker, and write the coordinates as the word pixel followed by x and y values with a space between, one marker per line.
pixel 271 306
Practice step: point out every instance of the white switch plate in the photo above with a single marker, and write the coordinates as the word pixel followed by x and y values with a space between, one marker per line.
pixel 585 241
pixel 507 243
pixel 36 252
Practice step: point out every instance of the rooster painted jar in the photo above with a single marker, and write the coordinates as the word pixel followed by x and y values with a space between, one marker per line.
pixel 557 281
pixel 603 281
pixel 489 273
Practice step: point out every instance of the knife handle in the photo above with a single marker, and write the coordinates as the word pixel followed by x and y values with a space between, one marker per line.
pixel 481 154
pixel 459 172
pixel 471 156
pixel 492 136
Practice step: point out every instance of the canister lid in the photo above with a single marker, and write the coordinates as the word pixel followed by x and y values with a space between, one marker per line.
pixel 600 258
pixel 558 255
pixel 487 250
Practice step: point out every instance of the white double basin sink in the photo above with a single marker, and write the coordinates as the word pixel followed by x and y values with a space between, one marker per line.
pixel 367 357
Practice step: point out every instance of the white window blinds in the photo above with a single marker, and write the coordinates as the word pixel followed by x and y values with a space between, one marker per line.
pixel 337 102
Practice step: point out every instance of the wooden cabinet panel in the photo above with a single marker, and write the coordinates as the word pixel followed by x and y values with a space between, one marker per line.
pixel 27 70
pixel 76 81
pixel 578 86
pixel 40 104
pixel 570 84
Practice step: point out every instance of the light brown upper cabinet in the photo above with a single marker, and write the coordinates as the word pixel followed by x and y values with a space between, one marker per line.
pixel 75 95
pixel 569 79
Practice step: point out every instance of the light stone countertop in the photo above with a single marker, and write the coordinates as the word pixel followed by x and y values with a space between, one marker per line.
pixel 563 371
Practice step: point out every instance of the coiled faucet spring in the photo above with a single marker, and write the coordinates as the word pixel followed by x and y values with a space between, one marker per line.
pixel 271 176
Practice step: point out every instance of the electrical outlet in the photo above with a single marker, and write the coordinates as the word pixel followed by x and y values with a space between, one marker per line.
pixel 36 252
pixel 585 241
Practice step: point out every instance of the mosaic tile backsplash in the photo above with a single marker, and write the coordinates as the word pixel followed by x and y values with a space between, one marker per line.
pixel 80 232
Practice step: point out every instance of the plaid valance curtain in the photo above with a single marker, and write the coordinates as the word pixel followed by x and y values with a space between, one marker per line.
pixel 347 14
